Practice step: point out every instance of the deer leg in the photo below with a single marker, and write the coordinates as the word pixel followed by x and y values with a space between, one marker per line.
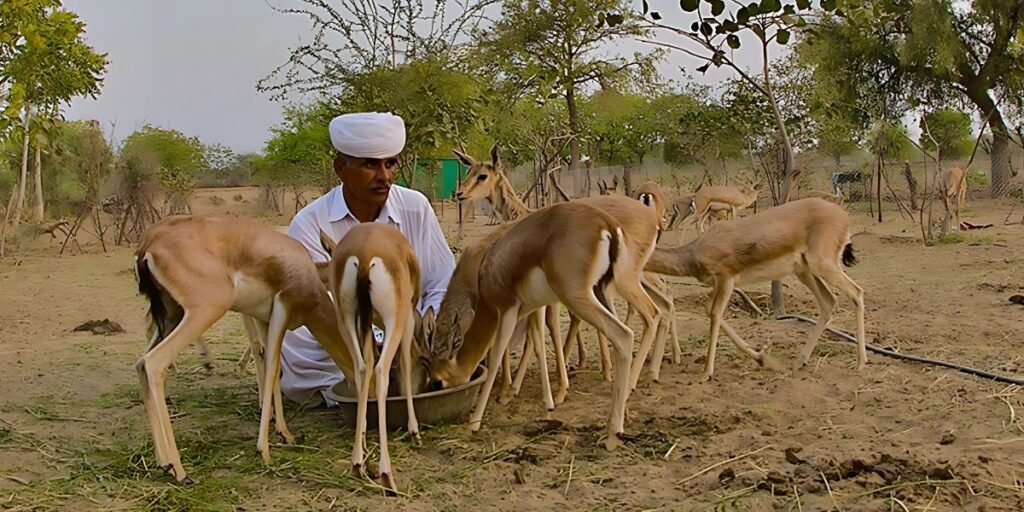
pixel 634 293
pixel 504 392
pixel 551 319
pixel 394 334
pixel 406 366
pixel 525 360
pixel 839 280
pixel 592 310
pixel 272 372
pixel 719 301
pixel 537 334
pixel 667 309
pixel 574 330
pixel 152 370
pixel 826 304
pixel 507 321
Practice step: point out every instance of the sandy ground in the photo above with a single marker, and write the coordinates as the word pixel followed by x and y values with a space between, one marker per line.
pixel 896 436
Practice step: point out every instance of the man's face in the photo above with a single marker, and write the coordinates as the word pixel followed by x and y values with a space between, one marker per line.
pixel 369 179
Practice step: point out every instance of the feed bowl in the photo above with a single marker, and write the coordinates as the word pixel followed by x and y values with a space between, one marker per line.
pixel 432 408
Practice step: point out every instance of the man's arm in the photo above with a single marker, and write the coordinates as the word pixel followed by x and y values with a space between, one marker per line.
pixel 436 261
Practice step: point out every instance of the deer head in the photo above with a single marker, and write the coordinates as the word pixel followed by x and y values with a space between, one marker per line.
pixel 482 177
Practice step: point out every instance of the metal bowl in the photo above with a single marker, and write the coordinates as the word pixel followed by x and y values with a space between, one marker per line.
pixel 450 405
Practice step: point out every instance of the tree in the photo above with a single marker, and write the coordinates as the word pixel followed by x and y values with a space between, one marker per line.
pixel 553 49
pixel 715 35
pixel 166 158
pixel 440 104
pixel 951 129
pixel 355 36
pixel 969 50
pixel 47 65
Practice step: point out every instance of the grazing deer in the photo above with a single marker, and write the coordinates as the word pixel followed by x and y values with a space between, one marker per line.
pixel 374 270
pixel 570 253
pixel 193 270
pixel 953 190
pixel 809 238
pixel 51 228
pixel 487 180
pixel 733 197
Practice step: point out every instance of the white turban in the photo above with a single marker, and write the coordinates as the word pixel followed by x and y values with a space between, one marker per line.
pixel 368 134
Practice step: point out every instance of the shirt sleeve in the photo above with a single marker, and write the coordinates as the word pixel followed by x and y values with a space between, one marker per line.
pixel 305 229
pixel 437 263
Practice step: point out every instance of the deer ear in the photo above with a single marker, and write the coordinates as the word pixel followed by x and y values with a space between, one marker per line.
pixel 464 158
pixel 494 155
pixel 326 242
pixel 601 187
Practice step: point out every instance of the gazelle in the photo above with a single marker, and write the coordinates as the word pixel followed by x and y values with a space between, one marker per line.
pixel 650 193
pixel 953 191
pixel 808 238
pixel 193 270
pixel 683 208
pixel 569 253
pixel 374 270
pixel 487 180
pixel 736 198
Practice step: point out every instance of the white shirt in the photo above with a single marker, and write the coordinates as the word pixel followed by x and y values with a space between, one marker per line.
pixel 406 209
pixel 305 366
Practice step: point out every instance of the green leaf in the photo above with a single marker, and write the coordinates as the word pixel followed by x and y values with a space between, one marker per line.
pixel 716 59
pixel 743 16
pixel 733 40
pixel 828 5
pixel 803 4
pixel 704 68
pixel 782 36
pixel 645 7
pixel 717 7
pixel 655 15
pixel 705 28
pixel 615 19
pixel 789 9
pixel 689 5
pixel 695 26
pixel 730 26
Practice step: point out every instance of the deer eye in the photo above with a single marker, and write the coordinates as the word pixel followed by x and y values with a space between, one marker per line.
pixel 481 177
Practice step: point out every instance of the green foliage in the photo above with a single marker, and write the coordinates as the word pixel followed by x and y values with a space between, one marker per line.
pixel 702 131
pixel 76 167
pixel 163 158
pixel 439 103
pixel 44 60
pixel 951 129
pixel 299 152
pixel 626 127
pixel 889 140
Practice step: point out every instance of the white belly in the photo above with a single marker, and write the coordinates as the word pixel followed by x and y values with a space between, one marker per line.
pixel 770 270
pixel 534 290
pixel 252 297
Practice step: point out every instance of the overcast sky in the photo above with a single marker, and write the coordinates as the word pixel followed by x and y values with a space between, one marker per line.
pixel 192 65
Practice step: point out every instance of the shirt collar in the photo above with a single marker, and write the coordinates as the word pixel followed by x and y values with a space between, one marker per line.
pixel 339 208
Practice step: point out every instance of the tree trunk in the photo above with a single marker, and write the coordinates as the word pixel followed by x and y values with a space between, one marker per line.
pixel 1000 162
pixel 627 178
pixel 977 92
pixel 19 203
pixel 911 184
pixel 40 207
pixel 574 127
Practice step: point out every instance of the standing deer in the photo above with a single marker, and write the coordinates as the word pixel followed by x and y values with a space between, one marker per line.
pixel 193 270
pixel 569 253
pixel 373 270
pixel 953 190
pixel 736 198
pixel 808 238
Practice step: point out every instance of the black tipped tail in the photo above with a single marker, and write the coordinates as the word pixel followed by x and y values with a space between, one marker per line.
pixel 609 275
pixel 849 259
pixel 157 309
pixel 364 306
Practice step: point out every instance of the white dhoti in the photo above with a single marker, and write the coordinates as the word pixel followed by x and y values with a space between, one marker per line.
pixel 307 369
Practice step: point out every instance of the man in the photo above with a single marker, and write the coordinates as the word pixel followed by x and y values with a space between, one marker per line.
pixel 368 145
